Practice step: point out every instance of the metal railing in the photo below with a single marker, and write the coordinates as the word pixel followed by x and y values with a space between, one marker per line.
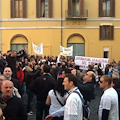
pixel 76 13
pixel 106 13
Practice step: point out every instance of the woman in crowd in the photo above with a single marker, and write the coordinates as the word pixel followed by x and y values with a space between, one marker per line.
pixel 56 98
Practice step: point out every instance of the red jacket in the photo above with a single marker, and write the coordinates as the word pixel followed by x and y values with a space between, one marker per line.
pixel 20 75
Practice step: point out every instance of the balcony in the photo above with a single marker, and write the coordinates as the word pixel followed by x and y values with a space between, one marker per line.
pixel 106 13
pixel 76 14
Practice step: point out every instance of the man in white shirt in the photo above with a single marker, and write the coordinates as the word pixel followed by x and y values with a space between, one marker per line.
pixel 73 109
pixel 108 108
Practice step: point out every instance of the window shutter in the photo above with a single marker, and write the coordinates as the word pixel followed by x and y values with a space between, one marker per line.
pixel 50 6
pixel 12 9
pixel 112 8
pixel 101 32
pixel 81 8
pixel 69 8
pixel 69 5
pixel 24 9
pixel 100 8
pixel 112 32
pixel 38 8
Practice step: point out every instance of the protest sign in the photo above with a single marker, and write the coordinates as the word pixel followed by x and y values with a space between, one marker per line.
pixel 38 49
pixel 83 62
pixel 66 51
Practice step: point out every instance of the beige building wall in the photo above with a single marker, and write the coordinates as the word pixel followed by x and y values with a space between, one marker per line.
pixel 55 31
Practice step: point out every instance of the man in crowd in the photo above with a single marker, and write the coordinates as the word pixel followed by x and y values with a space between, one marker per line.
pixel 65 72
pixel 41 86
pixel 73 109
pixel 15 109
pixel 29 77
pixel 108 108
pixel 86 86
pixel 8 76
pixel 12 58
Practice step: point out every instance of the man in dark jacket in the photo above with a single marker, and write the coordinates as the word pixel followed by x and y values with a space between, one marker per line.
pixel 41 86
pixel 8 76
pixel 15 109
pixel 29 77
pixel 87 86
pixel 12 58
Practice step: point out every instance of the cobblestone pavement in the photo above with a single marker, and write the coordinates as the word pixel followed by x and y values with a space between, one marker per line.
pixel 94 105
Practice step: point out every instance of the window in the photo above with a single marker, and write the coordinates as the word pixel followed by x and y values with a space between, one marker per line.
pixel 106 32
pixel 18 8
pixel 18 47
pixel 106 8
pixel 75 8
pixel 43 8
pixel 106 52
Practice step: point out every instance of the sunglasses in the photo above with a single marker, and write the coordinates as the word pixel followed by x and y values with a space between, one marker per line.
pixel 100 81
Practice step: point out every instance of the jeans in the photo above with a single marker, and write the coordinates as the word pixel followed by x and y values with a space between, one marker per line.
pixel 41 109
pixel 29 101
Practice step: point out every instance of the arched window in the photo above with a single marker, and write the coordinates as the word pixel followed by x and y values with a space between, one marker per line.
pixel 18 42
pixel 77 41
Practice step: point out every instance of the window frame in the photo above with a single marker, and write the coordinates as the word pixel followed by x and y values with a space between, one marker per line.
pixel 112 8
pixel 111 32
pixel 13 9
pixel 39 9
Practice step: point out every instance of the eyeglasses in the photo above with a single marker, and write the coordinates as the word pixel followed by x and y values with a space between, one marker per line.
pixel 100 81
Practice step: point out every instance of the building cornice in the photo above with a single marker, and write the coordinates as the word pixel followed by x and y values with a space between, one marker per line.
pixel 56 19
pixel 23 28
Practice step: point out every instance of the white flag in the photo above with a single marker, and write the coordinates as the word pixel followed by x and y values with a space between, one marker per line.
pixel 38 49
pixel 66 51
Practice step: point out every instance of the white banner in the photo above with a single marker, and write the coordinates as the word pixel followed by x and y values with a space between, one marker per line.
pixel 66 51
pixel 83 62
pixel 38 49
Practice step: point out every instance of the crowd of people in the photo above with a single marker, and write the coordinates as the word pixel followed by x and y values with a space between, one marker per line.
pixel 53 83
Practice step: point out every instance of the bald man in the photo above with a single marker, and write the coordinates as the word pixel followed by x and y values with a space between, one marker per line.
pixel 15 109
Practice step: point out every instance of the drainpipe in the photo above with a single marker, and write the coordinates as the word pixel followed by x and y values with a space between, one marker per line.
pixel 61 23
pixel 0 25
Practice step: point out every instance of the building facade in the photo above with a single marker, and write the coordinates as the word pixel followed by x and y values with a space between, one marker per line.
pixel 91 26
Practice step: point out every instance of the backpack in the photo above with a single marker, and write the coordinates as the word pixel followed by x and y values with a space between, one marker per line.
pixel 86 110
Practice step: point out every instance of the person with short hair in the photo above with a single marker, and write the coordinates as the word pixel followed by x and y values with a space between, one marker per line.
pixel 108 108
pixel 65 72
pixel 8 76
pixel 15 110
pixel 40 87
pixel 73 109
pixel 86 86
